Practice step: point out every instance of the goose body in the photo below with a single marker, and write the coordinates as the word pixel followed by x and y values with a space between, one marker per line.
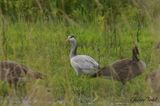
pixel 13 72
pixel 125 69
pixel 82 64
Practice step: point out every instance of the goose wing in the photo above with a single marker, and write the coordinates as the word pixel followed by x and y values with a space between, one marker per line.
pixel 85 63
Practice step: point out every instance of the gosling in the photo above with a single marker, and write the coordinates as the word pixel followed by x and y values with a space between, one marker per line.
pixel 125 69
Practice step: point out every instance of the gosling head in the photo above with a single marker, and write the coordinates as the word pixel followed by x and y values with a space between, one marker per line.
pixel 135 50
pixel 38 75
pixel 135 53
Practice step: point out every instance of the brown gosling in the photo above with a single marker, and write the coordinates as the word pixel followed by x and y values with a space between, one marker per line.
pixel 153 81
pixel 125 69
pixel 13 73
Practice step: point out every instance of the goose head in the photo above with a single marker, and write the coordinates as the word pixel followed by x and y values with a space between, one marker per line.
pixel 71 39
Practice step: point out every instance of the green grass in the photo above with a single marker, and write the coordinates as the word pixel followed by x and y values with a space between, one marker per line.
pixel 42 47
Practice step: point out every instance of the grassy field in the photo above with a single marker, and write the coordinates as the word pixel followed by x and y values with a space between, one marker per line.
pixel 42 46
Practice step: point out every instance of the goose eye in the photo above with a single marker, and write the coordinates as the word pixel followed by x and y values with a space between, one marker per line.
pixel 72 36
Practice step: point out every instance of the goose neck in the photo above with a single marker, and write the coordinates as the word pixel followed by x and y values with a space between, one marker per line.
pixel 73 50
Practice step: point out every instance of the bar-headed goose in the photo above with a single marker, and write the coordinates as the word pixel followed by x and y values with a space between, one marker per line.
pixel 125 69
pixel 13 72
pixel 82 64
